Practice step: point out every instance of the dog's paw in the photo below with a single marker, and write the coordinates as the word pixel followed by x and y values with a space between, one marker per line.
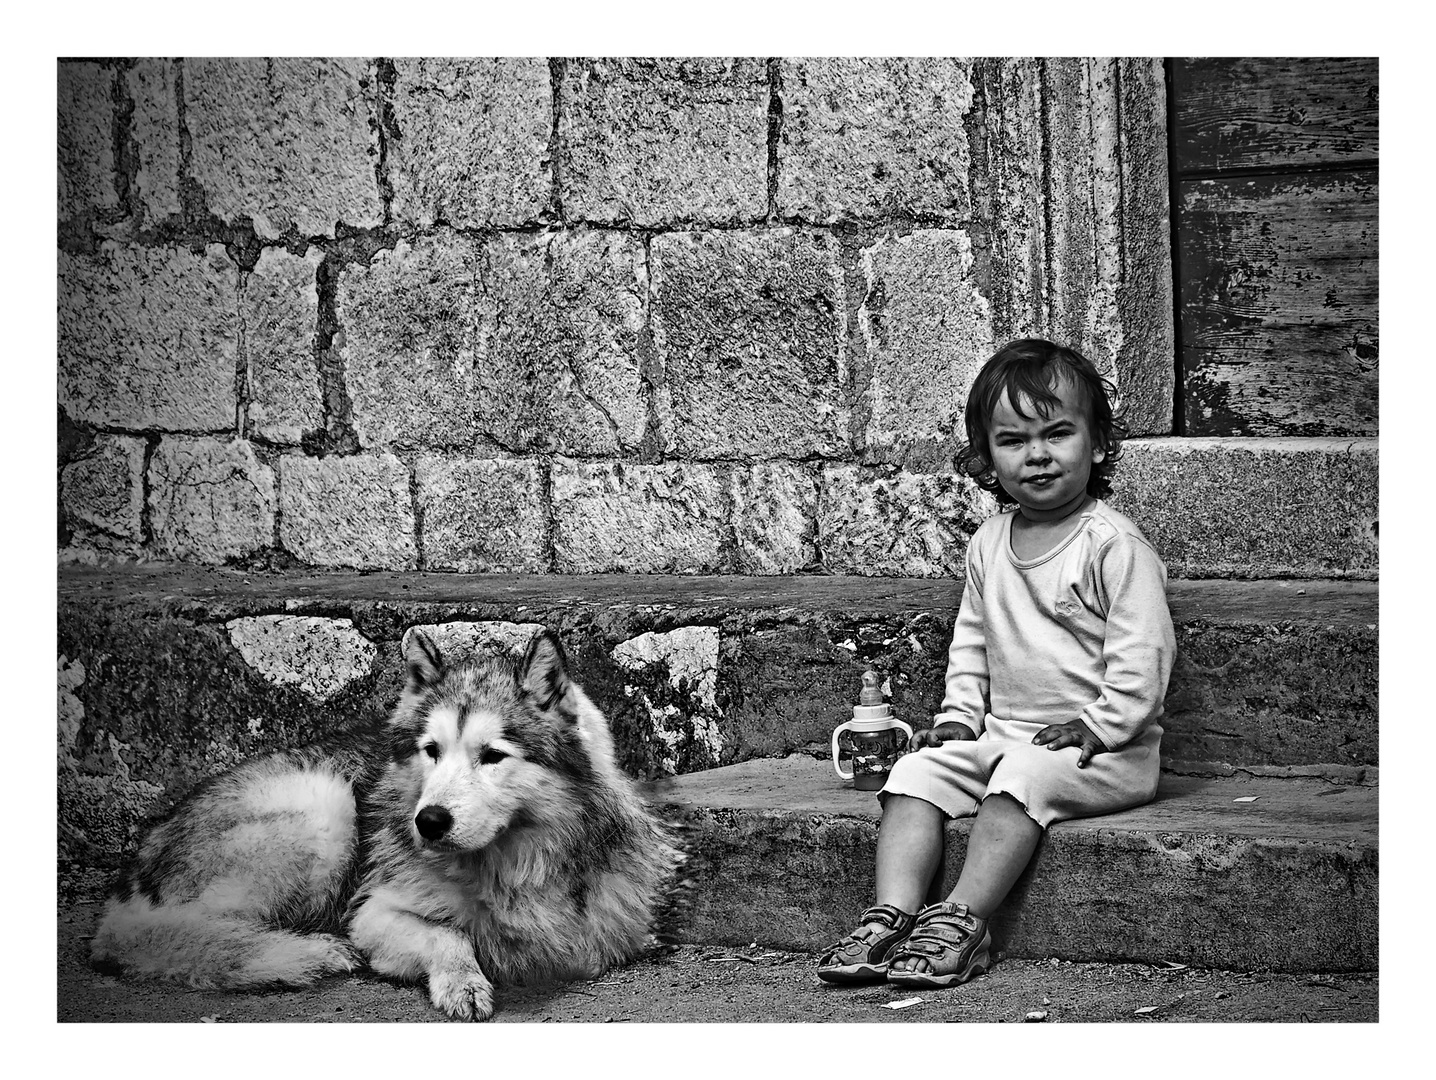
pixel 338 954
pixel 463 993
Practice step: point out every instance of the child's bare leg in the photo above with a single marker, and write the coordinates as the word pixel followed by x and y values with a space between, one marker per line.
pixel 909 851
pixel 1000 847
pixel 998 850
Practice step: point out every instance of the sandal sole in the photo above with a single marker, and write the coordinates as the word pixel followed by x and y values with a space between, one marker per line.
pixel 857 973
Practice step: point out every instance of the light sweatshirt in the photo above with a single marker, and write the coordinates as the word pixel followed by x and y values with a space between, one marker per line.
pixel 1081 632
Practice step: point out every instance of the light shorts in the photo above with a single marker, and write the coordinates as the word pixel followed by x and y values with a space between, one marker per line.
pixel 956 776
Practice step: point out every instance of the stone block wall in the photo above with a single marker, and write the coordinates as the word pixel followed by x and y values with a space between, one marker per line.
pixel 575 315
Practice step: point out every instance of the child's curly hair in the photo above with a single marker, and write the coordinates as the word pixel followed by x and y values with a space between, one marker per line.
pixel 1027 370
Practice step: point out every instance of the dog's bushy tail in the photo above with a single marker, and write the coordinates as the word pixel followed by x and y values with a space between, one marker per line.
pixel 195 945
pixel 673 906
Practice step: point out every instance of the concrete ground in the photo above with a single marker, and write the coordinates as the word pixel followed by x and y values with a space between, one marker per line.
pixel 697 983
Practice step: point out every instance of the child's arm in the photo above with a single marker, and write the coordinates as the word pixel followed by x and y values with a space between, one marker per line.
pixel 963 711
pixel 1138 650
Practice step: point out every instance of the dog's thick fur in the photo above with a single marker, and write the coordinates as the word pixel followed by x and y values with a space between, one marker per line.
pixel 483 835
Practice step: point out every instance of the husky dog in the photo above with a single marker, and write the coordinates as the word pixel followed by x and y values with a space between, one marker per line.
pixel 482 835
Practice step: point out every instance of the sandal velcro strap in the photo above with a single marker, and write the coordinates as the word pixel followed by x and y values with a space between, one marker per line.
pixel 887 915
pixel 940 927
pixel 877 943
pixel 951 940
pixel 943 925
pixel 950 914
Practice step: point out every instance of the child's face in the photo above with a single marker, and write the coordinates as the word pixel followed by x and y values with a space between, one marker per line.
pixel 1044 463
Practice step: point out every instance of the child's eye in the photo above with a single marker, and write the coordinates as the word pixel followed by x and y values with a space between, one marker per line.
pixel 490 756
pixel 432 749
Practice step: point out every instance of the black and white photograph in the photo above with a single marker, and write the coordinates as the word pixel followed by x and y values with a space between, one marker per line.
pixel 658 538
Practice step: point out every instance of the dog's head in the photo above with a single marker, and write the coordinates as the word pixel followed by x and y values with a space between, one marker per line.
pixel 489 745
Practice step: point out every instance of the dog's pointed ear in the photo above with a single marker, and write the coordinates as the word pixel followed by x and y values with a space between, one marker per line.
pixel 544 671
pixel 422 660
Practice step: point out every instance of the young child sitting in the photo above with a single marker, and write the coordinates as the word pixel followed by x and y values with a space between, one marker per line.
pixel 1055 678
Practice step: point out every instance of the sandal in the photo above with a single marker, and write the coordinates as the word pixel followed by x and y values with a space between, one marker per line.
pixel 955 944
pixel 862 956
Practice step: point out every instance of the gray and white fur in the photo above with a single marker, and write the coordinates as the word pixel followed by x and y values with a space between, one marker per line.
pixel 482 835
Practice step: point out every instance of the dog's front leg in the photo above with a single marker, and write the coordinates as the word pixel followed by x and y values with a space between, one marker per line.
pixel 404 945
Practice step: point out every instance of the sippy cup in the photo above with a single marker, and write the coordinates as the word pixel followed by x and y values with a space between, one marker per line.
pixel 873 738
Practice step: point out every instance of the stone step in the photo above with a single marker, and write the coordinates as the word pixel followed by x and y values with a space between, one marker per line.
pixel 1236 873
pixel 168 674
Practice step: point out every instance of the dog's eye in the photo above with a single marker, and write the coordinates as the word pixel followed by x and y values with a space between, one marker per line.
pixel 490 756
pixel 432 749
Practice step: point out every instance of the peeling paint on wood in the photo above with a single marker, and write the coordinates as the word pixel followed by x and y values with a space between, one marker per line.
pixel 1279 304
pixel 1268 112
pixel 1276 204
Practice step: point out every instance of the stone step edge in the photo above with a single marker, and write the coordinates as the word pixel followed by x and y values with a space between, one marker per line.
pixel 782 853
pixel 1333 772
pixel 1354 775
pixel 1275 600
pixel 803 784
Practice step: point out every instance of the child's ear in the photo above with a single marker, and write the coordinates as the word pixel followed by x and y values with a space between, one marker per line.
pixel 1099 454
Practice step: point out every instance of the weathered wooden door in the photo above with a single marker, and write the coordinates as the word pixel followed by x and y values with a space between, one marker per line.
pixel 1274 178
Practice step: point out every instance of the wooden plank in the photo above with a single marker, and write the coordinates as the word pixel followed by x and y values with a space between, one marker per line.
pixel 1272 113
pixel 1279 304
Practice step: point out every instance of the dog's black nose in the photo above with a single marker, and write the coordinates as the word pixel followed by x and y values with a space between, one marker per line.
pixel 433 822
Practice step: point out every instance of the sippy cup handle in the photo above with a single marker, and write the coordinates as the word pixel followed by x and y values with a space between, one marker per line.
pixel 844 726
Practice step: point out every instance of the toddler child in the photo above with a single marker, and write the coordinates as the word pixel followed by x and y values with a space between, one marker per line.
pixel 1055 677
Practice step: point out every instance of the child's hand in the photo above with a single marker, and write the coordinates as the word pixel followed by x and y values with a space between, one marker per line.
pixel 1072 733
pixel 942 733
